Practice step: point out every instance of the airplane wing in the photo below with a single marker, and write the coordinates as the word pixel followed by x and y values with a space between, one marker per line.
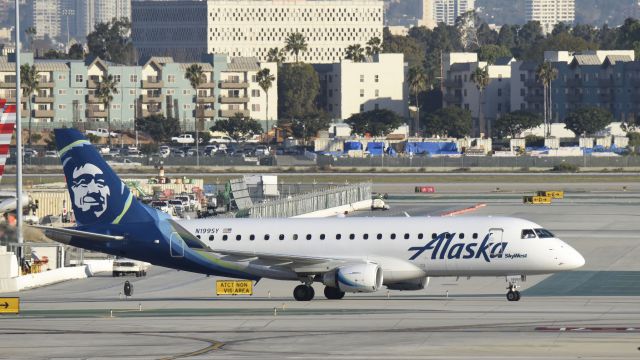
pixel 64 235
pixel 297 263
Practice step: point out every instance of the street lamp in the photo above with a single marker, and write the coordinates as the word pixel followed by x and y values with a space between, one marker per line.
pixel 67 13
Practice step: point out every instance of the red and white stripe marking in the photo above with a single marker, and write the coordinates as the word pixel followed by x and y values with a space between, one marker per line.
pixel 7 127
pixel 464 211
pixel 588 329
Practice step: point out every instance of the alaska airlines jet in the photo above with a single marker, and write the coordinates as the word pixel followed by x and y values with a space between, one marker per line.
pixel 344 254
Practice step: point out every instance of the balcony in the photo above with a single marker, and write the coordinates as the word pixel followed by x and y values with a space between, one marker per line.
pixel 452 83
pixel 46 84
pixel 574 82
pixel 453 98
pixel 234 99
pixel 207 85
pixel 96 113
pixel 92 99
pixel 605 83
pixel 152 99
pixel 150 112
pixel 43 99
pixel 43 113
pixel 92 84
pixel 207 100
pixel 231 84
pixel 232 113
pixel 534 98
pixel 12 100
pixel 7 85
pixel 205 113
pixel 152 84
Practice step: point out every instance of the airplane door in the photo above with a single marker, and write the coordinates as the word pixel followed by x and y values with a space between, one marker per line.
pixel 496 238
pixel 176 245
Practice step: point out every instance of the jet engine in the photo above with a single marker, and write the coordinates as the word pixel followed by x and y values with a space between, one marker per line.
pixel 355 278
pixel 416 284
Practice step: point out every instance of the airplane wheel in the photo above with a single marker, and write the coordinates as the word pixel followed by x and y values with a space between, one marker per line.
pixel 517 295
pixel 511 296
pixel 332 293
pixel 303 293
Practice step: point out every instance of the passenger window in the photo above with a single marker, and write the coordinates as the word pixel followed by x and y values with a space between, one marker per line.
pixel 461 235
pixel 281 237
pixel 238 237
pixel 266 236
pixel 475 235
pixel 224 237
pixel 420 236
pixel 379 236
pixel 321 236
pixel 338 236
pixel 252 237
pixel 352 236
pixel 393 236
pixel 295 236
pixel 210 237
pixel 365 236
pixel 528 234
pixel 308 236
pixel 406 236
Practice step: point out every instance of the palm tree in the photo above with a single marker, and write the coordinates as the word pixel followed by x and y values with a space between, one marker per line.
pixel 30 32
pixel 105 90
pixel 29 82
pixel 374 46
pixel 417 84
pixel 546 74
pixel 196 77
pixel 276 55
pixel 265 80
pixel 481 78
pixel 295 44
pixel 355 53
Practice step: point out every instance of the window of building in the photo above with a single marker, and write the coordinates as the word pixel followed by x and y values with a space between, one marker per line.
pixel 376 78
pixel 361 92
pixel 466 106
pixel 499 107
pixel 171 78
pixel 499 92
pixel 133 78
pixel 464 92
pixel 116 78
pixel 79 78
pixel 78 92
pixel 255 93
pixel 62 77
pixel 61 107
pixel 255 107
pixel 361 78
pixel 62 92
pixel 522 77
pixel 254 78
pixel 186 106
pixel 377 92
pixel 522 92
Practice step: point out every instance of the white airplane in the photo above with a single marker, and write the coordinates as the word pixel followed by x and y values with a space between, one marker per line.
pixel 345 254
pixel 9 200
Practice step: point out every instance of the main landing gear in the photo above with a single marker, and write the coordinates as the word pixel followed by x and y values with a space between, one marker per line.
pixel 303 292
pixel 332 293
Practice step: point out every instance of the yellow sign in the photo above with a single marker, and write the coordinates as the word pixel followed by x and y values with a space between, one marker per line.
pixel 9 305
pixel 552 194
pixel 234 287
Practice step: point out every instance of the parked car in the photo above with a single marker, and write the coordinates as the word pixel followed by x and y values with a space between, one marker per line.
pixel 178 206
pixel 51 154
pixel 262 150
pixel 163 206
pixel 124 162
pixel 210 150
pixel 133 151
pixel 185 202
pixel 219 139
pixel 101 132
pixel 184 139
pixel 164 151
pixel 177 153
pixel 29 152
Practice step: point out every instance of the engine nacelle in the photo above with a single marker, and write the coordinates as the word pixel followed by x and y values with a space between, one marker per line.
pixel 355 278
pixel 417 284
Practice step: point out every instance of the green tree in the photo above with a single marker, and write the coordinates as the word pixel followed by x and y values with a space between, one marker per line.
pixel 196 78
pixel 307 126
pixel 298 89
pixel 547 74
pixel 29 83
pixel 448 122
pixel 374 46
pixel 513 124
pixel 104 92
pixel 31 33
pixel 238 127
pixel 375 122
pixel 490 53
pixel 76 52
pixel 355 53
pixel 480 77
pixel 588 120
pixel 296 43
pixel 265 81
pixel 159 128
pixel 276 55
pixel 110 41
pixel 417 84
pixel 413 50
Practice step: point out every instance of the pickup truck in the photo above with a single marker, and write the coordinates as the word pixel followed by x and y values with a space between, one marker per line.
pixel 123 267
pixel 101 133
pixel 184 139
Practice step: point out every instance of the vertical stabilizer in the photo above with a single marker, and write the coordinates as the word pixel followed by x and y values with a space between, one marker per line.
pixel 7 127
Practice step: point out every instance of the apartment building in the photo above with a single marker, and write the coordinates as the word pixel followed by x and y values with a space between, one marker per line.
pixel 351 87
pixel 447 11
pixel 460 90
pixel 249 28
pixel 550 12
pixel 66 91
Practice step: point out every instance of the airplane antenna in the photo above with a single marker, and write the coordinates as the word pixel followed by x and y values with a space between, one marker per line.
pixel 18 139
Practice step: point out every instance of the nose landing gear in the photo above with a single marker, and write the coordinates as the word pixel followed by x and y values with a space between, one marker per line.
pixel 513 294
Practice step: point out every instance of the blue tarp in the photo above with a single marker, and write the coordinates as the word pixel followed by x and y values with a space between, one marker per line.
pixel 432 148
pixel 375 148
pixel 352 145
pixel 391 152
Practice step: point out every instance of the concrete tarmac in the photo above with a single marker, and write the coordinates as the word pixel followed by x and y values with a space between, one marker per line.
pixel 592 313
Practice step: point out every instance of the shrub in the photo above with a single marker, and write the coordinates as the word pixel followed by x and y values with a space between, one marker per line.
pixel 565 167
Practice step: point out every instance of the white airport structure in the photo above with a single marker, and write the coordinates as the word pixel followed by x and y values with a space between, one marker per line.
pixel 551 12
pixel 377 83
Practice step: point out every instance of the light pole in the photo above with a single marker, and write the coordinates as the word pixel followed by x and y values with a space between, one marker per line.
pixel 18 140
pixel 67 13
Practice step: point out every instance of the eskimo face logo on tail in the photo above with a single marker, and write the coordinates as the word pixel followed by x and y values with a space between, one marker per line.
pixel 89 189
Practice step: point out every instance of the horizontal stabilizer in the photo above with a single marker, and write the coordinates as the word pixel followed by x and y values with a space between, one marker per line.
pixel 64 235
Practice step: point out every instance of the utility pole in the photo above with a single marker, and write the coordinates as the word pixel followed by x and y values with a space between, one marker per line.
pixel 19 150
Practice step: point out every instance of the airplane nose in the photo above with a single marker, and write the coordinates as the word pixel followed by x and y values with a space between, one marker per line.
pixel 575 260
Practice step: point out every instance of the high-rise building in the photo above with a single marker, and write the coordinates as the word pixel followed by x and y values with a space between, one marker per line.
pixel 102 11
pixel 447 11
pixel 551 12
pixel 46 18
pixel 427 19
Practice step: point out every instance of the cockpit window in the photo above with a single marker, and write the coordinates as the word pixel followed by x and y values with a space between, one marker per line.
pixel 528 234
pixel 543 233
